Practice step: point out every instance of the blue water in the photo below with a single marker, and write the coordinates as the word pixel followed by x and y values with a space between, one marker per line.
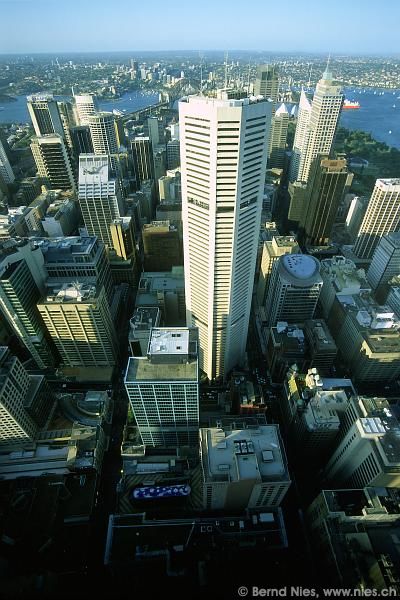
pixel 376 115
pixel 17 112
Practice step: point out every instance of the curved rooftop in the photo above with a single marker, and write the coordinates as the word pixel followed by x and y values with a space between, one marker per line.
pixel 301 269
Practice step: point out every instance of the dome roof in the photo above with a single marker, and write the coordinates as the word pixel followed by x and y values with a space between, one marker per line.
pixel 300 266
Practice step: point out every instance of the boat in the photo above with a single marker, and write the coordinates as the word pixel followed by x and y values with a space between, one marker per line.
pixel 165 491
pixel 348 104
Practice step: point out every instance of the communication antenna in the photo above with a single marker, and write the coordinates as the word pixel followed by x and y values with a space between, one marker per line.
pixel 226 70
pixel 309 77
pixel 248 81
pixel 201 73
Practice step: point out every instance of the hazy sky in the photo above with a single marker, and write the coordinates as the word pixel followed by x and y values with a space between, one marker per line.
pixel 365 26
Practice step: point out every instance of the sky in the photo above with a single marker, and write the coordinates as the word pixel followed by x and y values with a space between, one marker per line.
pixel 336 26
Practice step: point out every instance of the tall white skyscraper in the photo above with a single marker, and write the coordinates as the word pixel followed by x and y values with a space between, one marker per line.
pixel 98 195
pixel 382 217
pixel 85 107
pixel 102 130
pixel 300 136
pixel 224 147
pixel 316 126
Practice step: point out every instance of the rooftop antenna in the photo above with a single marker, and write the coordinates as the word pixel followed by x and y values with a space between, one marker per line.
pixel 201 74
pixel 226 70
pixel 248 81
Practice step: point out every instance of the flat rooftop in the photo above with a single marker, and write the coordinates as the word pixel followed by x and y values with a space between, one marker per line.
pixel 141 369
pixel 70 293
pixel 59 249
pixel 144 318
pixel 244 454
pixel 169 341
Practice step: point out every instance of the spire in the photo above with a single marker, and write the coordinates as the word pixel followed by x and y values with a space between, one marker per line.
pixel 327 74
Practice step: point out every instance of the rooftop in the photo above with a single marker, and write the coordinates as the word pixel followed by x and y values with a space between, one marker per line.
pixel 302 269
pixel 241 454
pixel 169 341
pixel 141 369
pixel 70 292
pixel 144 318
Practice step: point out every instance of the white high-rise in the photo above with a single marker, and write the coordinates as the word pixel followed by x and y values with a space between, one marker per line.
pixel 382 217
pixel 85 107
pixel 43 110
pixel 316 126
pixel 224 147
pixel 99 197
pixel 102 130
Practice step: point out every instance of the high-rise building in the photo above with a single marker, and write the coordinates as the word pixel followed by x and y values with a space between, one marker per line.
pixel 85 107
pixel 385 262
pixel 369 453
pixel 77 317
pixel 354 538
pixel 243 468
pixel 340 277
pixel 367 335
pixel 280 245
pixel 316 126
pixel 66 113
pixel 26 400
pixel 325 189
pixel 224 147
pixel 163 388
pixel 99 196
pixel 81 140
pixel 277 146
pixel 82 259
pixel 103 132
pixel 16 424
pixel 45 116
pixel 267 82
pixel 162 246
pixel 173 154
pixel 294 289
pixel 382 217
pixel 53 161
pixel 6 172
pixel 142 152
pixel 123 237
pixel 19 294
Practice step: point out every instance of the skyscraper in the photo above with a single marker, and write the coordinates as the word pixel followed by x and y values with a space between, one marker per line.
pixel 6 172
pixel 279 246
pixel 267 82
pixel 294 289
pixel 224 151
pixel 43 110
pixel 316 126
pixel 18 297
pixel 103 132
pixel 98 195
pixel 325 189
pixel 382 217
pixel 78 319
pixel 385 262
pixel 163 388
pixel 26 400
pixel 143 161
pixel 53 161
pixel 85 107
pixel 279 128
pixel 16 425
